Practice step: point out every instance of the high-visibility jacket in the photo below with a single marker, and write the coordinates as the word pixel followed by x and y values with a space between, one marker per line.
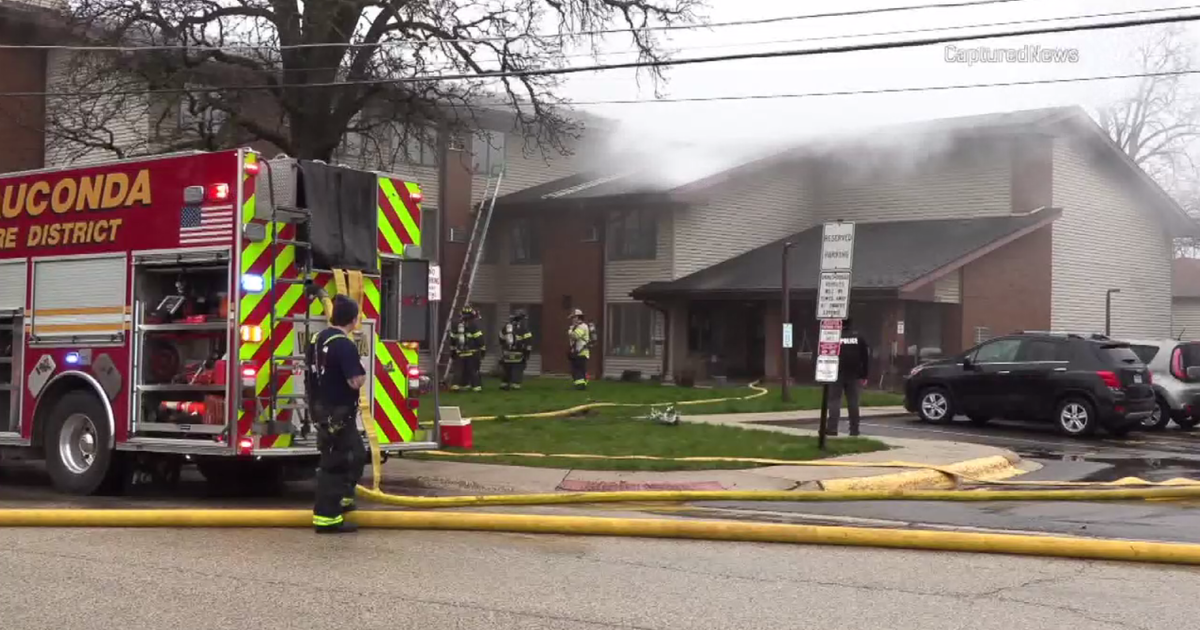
pixel 579 340
pixel 515 342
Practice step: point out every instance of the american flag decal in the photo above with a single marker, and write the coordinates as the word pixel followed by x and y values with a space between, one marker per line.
pixel 206 226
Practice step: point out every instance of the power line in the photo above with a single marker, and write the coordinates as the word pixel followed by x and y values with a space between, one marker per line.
pixel 939 29
pixel 642 64
pixel 897 90
pixel 483 40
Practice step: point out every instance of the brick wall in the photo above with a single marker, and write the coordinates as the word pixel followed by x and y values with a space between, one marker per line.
pixel 22 119
pixel 574 280
pixel 1009 288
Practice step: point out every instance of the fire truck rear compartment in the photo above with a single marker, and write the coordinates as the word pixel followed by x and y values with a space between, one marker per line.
pixel 181 343
pixel 10 334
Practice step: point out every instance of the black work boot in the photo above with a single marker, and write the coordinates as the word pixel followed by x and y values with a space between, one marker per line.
pixel 341 528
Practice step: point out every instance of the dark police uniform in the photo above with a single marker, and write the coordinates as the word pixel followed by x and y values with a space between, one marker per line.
pixel 335 406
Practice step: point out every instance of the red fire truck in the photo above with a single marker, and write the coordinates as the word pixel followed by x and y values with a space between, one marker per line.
pixel 157 310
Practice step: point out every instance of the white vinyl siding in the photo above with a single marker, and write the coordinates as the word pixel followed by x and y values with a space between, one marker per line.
pixel 941 189
pixel 526 171
pixel 1104 240
pixel 12 284
pixel 948 288
pixel 740 218
pixel 1185 319
pixel 95 284
pixel 123 121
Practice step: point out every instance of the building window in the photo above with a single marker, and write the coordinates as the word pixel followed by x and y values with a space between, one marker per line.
pixel 524 243
pixel 629 330
pixel 487 152
pixel 632 235
pixel 700 330
pixel 533 320
pixel 420 147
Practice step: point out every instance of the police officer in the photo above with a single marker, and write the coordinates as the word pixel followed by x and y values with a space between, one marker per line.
pixel 335 377
pixel 515 346
pixel 579 343
pixel 854 361
pixel 470 351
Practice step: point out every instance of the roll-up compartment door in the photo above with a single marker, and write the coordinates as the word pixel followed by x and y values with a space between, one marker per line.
pixel 12 284
pixel 79 297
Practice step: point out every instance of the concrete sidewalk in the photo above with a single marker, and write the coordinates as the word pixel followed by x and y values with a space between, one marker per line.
pixel 973 460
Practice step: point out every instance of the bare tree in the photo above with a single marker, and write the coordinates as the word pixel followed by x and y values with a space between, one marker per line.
pixel 1157 124
pixel 302 75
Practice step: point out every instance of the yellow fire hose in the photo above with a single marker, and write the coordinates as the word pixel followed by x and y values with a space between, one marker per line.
pixel 1054 546
pixel 559 413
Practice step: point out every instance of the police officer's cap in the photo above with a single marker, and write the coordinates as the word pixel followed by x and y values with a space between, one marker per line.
pixel 345 311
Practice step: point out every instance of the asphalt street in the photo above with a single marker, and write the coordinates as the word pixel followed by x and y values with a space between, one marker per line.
pixel 293 579
pixel 1154 456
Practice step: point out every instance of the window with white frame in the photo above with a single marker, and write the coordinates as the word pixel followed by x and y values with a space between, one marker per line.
pixel 524 243
pixel 630 330
pixel 487 152
pixel 632 235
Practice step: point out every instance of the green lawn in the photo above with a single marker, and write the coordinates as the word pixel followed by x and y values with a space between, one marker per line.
pixel 620 434
pixel 551 394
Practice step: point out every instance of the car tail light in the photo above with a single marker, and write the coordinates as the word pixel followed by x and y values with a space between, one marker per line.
pixel 1177 364
pixel 1110 379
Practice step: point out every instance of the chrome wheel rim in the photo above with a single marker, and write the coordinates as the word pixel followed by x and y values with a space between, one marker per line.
pixel 1074 418
pixel 77 443
pixel 934 406
pixel 1155 416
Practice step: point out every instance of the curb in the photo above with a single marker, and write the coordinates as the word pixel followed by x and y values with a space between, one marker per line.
pixel 991 468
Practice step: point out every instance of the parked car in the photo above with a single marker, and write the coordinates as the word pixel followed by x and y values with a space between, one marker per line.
pixel 1081 383
pixel 1175 365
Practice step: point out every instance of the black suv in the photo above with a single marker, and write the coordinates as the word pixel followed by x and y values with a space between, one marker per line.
pixel 1079 382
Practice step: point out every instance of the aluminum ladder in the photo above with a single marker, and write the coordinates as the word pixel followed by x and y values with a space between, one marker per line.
pixel 466 279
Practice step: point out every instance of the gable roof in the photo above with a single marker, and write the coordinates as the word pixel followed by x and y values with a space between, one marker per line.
pixel 889 256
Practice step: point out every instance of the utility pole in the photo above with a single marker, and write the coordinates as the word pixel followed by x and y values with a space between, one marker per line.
pixel 1108 311
pixel 787 321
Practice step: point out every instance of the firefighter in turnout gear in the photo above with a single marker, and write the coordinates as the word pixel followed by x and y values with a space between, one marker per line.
pixel 468 349
pixel 516 343
pixel 579 344
pixel 334 379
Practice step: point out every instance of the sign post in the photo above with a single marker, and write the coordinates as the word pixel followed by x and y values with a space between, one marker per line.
pixel 435 298
pixel 833 306
pixel 786 351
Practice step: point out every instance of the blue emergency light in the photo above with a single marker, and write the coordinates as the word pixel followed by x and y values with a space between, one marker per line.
pixel 72 358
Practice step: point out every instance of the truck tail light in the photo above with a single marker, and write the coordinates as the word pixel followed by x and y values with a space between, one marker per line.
pixel 245 446
pixel 218 192
pixel 251 167
pixel 417 197
pixel 249 376
pixel 414 371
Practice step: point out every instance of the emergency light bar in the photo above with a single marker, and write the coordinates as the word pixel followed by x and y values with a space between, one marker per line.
pixel 252 283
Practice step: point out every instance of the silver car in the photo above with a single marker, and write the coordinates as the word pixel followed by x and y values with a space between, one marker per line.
pixel 1175 366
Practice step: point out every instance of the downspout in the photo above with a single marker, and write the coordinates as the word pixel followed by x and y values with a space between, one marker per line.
pixel 601 217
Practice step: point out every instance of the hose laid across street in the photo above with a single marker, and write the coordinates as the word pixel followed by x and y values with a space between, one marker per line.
pixel 1055 546
pixel 815 496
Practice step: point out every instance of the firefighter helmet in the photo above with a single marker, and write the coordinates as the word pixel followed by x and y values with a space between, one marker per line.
pixel 469 312
pixel 517 315
pixel 576 313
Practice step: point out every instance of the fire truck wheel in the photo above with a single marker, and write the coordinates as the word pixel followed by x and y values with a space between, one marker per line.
pixel 76 441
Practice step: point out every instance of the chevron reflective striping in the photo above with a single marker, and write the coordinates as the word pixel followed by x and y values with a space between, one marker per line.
pixel 400 204
pixel 396 421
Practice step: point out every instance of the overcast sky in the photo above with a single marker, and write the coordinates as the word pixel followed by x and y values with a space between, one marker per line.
pixel 761 122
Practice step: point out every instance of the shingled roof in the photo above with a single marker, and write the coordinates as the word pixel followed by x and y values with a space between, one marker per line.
pixel 888 256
